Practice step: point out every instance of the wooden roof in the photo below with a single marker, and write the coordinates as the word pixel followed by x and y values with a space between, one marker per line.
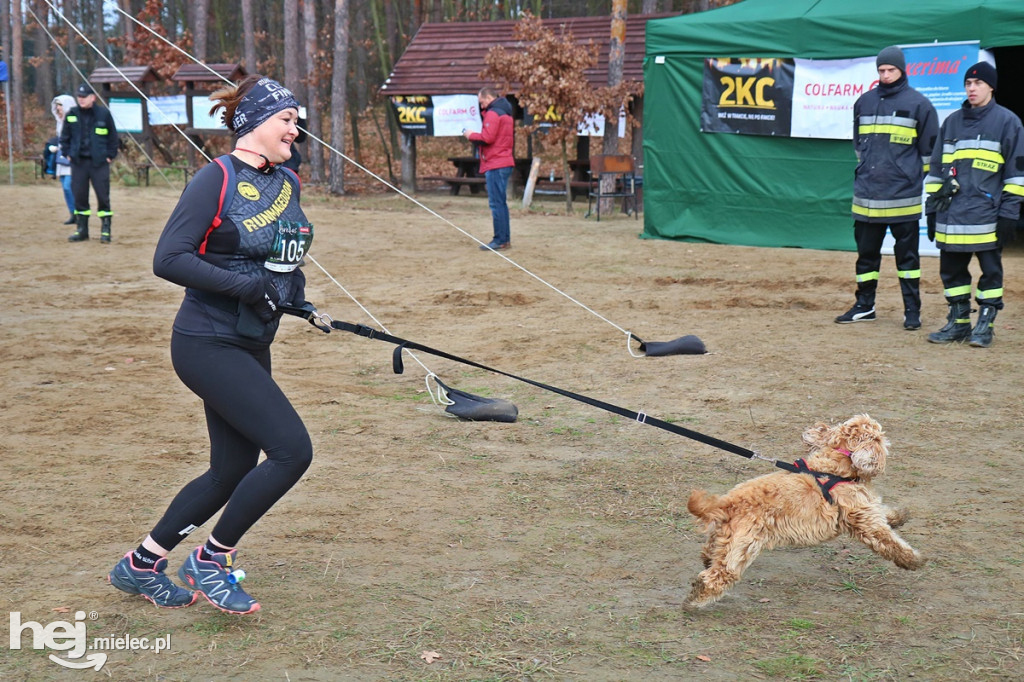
pixel 133 74
pixel 200 73
pixel 447 58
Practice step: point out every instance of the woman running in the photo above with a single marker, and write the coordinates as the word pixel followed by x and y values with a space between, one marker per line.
pixel 234 241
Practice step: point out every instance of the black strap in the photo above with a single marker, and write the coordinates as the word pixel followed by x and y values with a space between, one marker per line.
pixel 371 333
pixel 831 480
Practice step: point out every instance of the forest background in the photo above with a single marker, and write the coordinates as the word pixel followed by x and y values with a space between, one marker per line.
pixel 304 43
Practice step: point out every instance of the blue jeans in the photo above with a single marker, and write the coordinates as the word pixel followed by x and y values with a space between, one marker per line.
pixel 497 187
pixel 69 198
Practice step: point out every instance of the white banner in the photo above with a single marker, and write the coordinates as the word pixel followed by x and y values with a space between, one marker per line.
pixel 455 113
pixel 824 92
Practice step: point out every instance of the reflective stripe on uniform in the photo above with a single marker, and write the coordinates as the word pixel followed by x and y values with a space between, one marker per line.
pixel 867 277
pixel 985 150
pixel 985 294
pixel 908 274
pixel 900 126
pixel 965 239
pixel 886 208
pixel 957 291
pixel 1014 185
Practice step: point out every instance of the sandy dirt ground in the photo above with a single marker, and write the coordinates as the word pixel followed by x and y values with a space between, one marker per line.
pixel 558 547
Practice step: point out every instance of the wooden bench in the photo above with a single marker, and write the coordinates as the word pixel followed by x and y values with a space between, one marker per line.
pixel 556 187
pixel 142 171
pixel 455 183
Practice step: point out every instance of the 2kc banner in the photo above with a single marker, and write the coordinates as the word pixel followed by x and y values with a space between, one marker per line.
pixel 748 96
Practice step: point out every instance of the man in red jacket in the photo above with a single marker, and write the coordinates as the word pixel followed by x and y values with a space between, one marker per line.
pixel 496 143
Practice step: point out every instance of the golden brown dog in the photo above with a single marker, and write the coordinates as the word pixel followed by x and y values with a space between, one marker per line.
pixel 792 510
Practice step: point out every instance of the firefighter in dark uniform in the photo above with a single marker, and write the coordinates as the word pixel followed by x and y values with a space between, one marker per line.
pixel 975 188
pixel 89 139
pixel 895 128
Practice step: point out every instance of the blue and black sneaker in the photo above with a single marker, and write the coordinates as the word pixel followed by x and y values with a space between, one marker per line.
pixel 218 580
pixel 151 583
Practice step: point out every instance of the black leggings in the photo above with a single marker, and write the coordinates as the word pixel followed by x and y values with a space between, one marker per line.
pixel 246 412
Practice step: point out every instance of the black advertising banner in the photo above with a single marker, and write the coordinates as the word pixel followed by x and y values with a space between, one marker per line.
pixel 415 114
pixel 748 96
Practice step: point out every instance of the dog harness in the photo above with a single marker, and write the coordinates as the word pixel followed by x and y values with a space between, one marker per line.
pixel 825 481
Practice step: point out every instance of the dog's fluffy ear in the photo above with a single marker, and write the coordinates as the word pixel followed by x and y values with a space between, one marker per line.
pixel 866 441
pixel 816 437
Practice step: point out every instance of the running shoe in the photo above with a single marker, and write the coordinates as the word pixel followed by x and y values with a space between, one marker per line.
pixel 151 583
pixel 219 581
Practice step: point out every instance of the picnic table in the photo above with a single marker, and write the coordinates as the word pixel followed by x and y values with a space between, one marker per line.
pixel 467 173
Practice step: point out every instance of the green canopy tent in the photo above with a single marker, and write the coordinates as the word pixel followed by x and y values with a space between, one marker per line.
pixel 783 191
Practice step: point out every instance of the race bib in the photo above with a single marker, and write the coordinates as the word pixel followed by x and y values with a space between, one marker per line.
pixel 290 245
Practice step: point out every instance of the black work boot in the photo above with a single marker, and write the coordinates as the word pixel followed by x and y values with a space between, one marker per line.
pixel 105 229
pixel 958 324
pixel 911 291
pixel 862 311
pixel 82 233
pixel 983 332
pixel 911 319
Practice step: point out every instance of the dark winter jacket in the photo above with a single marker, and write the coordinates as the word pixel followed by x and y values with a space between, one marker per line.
pixel 983 148
pixel 89 134
pixel 496 137
pixel 895 128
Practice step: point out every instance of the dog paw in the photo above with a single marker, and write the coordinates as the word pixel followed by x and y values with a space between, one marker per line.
pixel 897 517
pixel 912 562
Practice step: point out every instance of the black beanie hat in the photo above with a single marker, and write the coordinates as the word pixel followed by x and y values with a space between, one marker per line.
pixel 983 71
pixel 892 55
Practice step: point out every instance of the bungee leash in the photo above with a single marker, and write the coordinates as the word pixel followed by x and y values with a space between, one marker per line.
pixel 326 324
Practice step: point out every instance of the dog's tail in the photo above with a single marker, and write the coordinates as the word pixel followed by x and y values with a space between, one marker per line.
pixel 705 507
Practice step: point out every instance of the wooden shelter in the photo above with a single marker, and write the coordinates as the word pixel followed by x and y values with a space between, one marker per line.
pixel 447 58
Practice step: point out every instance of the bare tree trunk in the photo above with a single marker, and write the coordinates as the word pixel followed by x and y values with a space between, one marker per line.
pixel 249 37
pixel 616 52
pixel 17 77
pixel 127 25
pixel 44 57
pixel 650 7
pixel 360 30
pixel 616 55
pixel 394 34
pixel 292 49
pixel 314 151
pixel 201 28
pixel 408 163
pixel 99 37
pixel 339 95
